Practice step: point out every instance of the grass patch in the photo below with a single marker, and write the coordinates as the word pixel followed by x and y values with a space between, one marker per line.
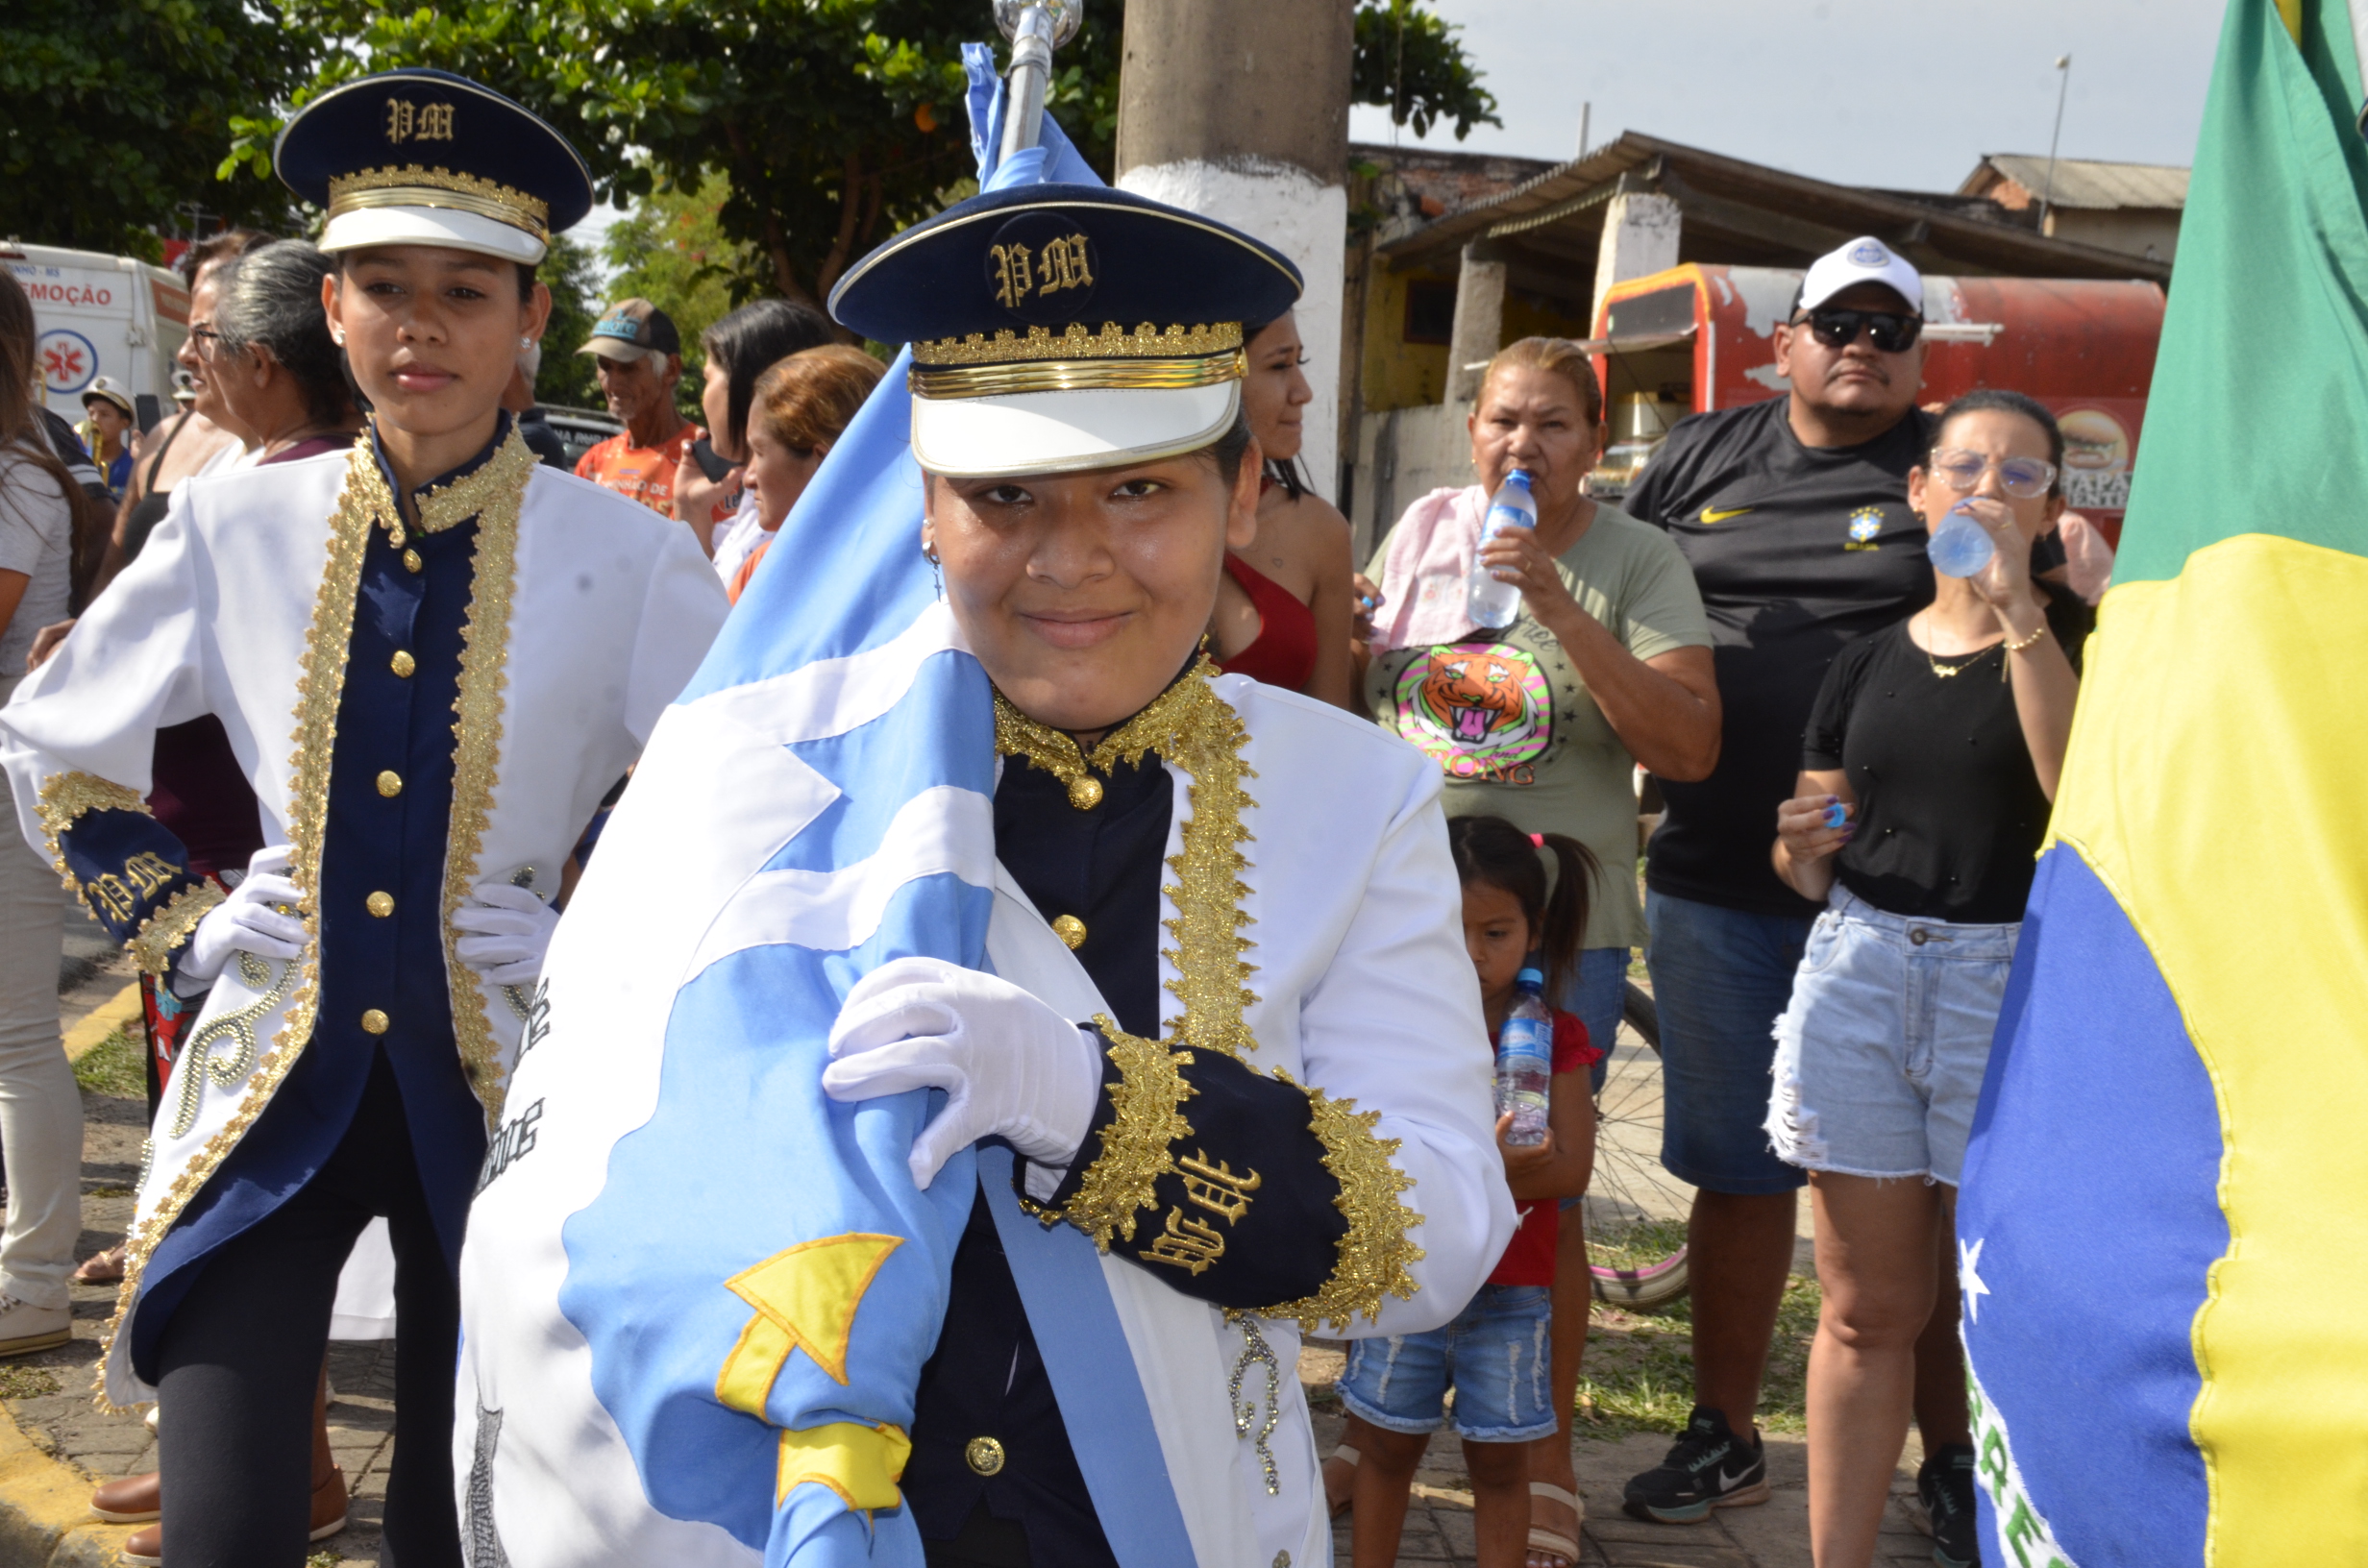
pixel 116 1065
pixel 1638 1371
pixel 112 1192
pixel 1635 1246
pixel 20 1381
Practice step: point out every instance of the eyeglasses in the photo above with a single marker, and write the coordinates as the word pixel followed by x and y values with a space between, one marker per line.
pixel 1892 331
pixel 205 337
pixel 1962 471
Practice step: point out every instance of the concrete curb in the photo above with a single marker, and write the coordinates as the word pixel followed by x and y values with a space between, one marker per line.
pixel 45 1509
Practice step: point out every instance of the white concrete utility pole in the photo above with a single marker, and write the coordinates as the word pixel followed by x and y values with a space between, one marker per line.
pixel 1238 110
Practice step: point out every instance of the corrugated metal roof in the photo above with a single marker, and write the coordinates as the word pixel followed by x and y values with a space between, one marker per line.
pixel 2086 182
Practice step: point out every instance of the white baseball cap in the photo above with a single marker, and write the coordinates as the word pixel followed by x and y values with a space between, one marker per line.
pixel 1865 259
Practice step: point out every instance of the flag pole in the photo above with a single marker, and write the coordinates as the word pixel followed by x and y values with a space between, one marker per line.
pixel 2063 87
pixel 1035 27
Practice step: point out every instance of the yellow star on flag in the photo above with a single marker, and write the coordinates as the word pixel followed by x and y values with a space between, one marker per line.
pixel 805 1299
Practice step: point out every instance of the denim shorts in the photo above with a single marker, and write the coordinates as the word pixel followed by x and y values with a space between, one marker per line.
pixel 1498 1357
pixel 1879 1060
pixel 1721 978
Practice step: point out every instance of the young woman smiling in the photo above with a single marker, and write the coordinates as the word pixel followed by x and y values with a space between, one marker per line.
pixel 474 647
pixel 1157 828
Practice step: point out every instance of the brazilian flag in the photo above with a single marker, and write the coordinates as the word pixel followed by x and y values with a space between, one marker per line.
pixel 2164 1233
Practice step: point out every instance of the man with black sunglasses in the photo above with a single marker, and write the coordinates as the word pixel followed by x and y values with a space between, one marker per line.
pixel 1794 514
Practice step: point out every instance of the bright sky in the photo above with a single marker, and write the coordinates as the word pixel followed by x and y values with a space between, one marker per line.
pixel 1901 93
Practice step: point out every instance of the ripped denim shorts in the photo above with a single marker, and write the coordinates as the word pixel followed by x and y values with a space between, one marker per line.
pixel 1879 1055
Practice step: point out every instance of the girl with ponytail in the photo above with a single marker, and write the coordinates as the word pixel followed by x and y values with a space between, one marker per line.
pixel 1525 897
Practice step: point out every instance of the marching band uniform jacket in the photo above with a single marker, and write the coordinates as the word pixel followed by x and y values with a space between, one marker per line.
pixel 421 707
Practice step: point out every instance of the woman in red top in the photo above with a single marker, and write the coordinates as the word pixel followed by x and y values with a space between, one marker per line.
pixel 1283 607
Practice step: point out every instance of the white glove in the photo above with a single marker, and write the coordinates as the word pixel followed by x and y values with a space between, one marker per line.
pixel 512 933
pixel 1008 1063
pixel 245 923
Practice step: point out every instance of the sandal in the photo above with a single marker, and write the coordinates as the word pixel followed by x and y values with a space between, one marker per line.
pixel 101 1268
pixel 1350 1455
pixel 1552 1544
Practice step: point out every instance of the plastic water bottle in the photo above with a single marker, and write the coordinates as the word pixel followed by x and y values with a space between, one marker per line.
pixel 1488 601
pixel 1525 1062
pixel 1960 545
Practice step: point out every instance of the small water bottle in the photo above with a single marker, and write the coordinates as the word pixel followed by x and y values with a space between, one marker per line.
pixel 1960 545
pixel 1488 601
pixel 1525 1062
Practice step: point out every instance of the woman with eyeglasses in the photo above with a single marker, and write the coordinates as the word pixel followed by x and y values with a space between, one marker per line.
pixel 1931 759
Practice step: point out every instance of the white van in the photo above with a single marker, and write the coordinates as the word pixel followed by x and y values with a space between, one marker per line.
pixel 101 315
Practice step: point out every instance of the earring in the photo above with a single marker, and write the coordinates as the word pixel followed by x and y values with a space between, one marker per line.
pixel 338 337
pixel 526 343
pixel 929 554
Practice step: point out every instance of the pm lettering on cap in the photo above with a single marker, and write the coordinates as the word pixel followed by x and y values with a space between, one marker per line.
pixel 1042 267
pixel 406 121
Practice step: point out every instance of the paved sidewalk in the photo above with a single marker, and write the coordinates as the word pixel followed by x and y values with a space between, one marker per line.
pixel 48 1398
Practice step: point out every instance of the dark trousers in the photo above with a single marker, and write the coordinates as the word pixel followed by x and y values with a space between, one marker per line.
pixel 242 1352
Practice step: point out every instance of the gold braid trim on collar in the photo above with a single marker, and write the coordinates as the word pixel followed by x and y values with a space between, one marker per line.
pixel 1373 1257
pixel 152 945
pixel 66 797
pixel 1190 725
pixel 492 484
pixel 497 493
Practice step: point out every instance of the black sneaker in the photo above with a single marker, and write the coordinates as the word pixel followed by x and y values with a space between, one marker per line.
pixel 1945 1486
pixel 1709 1467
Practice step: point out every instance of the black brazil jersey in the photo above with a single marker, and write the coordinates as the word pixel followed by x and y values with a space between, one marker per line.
pixel 1798 551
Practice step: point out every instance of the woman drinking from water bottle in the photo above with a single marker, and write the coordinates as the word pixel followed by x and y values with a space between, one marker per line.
pixel 1606 665
pixel 1931 759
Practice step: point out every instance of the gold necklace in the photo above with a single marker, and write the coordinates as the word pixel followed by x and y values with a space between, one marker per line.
pixel 1945 670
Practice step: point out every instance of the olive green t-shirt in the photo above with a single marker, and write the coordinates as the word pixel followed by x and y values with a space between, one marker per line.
pixel 1511 724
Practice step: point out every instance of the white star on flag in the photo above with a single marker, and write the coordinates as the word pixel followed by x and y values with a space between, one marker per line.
pixel 1969 1278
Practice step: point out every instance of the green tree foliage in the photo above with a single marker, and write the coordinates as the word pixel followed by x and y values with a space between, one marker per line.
pixel 567 376
pixel 114 112
pixel 1408 58
pixel 831 123
pixel 672 251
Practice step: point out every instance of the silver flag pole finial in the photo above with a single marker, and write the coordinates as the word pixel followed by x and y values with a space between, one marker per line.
pixel 1035 27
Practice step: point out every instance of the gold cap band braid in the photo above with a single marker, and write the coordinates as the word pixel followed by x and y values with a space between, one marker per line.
pixel 1075 375
pixel 1144 342
pixel 414 185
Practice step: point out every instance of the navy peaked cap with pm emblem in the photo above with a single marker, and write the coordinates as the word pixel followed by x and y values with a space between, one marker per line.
pixel 428 158
pixel 1049 256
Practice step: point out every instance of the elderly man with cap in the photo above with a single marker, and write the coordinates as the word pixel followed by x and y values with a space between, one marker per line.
pixel 1183 952
pixel 639 357
pixel 1794 514
pixel 429 714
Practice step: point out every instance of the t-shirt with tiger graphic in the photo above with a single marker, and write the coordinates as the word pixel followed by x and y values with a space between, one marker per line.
pixel 1511 724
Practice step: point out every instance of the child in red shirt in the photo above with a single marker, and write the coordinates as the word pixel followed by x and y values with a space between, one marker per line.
pixel 1497 1354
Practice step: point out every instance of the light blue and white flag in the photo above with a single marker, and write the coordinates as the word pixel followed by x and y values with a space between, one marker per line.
pixel 698 1293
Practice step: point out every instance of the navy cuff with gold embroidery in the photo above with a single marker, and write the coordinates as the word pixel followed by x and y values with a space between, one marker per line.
pixel 129 871
pixel 1207 1173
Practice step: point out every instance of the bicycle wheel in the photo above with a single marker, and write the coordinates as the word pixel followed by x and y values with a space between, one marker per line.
pixel 1635 1210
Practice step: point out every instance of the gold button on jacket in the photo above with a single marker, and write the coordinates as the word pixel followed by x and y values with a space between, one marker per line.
pixel 984 1455
pixel 375 1022
pixel 390 784
pixel 380 904
pixel 1071 930
pixel 411 561
pixel 403 663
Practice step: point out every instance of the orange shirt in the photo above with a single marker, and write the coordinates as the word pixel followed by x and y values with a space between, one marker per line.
pixel 646 474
